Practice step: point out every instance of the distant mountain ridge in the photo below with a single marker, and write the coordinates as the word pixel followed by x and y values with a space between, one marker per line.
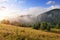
pixel 52 16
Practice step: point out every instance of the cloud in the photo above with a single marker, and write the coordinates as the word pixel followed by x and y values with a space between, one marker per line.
pixel 33 10
pixel 28 11
pixel 38 10
pixel 50 2
pixel 2 8
pixel 3 0
pixel 53 7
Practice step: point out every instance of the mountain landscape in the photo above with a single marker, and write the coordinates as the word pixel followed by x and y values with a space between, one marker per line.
pixel 52 16
pixel 45 26
pixel 29 19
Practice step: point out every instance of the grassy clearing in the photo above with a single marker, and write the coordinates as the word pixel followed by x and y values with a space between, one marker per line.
pixel 9 32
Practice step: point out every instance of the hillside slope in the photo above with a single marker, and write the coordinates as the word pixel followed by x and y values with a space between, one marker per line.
pixel 9 32
pixel 52 16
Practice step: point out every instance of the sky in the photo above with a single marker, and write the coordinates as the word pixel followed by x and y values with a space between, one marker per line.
pixel 28 3
pixel 12 8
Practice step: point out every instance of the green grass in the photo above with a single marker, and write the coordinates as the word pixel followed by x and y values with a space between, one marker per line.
pixel 55 30
pixel 9 32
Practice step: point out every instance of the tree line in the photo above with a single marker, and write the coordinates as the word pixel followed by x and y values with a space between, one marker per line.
pixel 46 26
pixel 37 25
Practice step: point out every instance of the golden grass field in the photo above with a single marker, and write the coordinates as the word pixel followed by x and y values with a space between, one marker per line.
pixel 9 32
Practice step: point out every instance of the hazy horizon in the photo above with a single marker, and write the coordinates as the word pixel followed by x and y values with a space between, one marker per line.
pixel 13 8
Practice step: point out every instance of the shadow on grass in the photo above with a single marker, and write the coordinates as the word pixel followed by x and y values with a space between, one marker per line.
pixel 55 32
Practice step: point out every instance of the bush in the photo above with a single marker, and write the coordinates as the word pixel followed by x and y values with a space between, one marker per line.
pixel 5 21
pixel 43 25
pixel 58 25
pixel 36 25
pixel 48 27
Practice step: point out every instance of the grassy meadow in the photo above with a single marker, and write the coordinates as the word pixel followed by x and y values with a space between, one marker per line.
pixel 9 32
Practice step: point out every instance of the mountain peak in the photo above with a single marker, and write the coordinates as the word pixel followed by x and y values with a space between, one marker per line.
pixel 55 9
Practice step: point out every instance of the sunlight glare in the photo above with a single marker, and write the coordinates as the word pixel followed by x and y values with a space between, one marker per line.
pixel 3 15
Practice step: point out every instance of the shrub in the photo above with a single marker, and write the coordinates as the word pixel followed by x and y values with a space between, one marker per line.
pixel 43 25
pixel 48 27
pixel 36 25
pixel 58 25
pixel 5 21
